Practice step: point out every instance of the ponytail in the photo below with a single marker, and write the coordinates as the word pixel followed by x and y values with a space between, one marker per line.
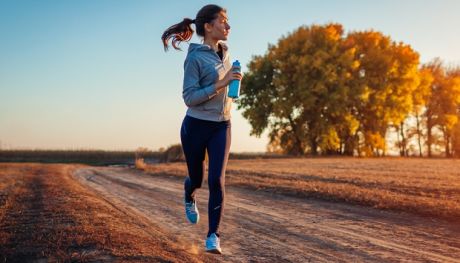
pixel 178 32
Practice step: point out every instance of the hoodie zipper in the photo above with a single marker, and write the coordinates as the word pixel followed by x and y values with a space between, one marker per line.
pixel 225 91
pixel 225 94
pixel 222 61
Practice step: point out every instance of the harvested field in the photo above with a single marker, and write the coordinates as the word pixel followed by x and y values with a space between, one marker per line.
pixel 81 213
pixel 47 215
pixel 429 187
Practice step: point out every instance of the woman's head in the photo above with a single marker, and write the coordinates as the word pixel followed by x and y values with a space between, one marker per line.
pixel 210 22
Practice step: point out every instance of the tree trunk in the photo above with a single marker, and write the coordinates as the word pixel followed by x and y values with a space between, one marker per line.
pixel 419 134
pixel 429 136
pixel 403 140
pixel 401 153
pixel 349 146
pixel 447 146
pixel 314 147
pixel 341 145
pixel 298 148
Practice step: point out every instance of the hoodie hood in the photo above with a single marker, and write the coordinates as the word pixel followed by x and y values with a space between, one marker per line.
pixel 193 47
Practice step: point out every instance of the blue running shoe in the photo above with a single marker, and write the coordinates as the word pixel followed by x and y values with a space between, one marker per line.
pixel 191 212
pixel 213 244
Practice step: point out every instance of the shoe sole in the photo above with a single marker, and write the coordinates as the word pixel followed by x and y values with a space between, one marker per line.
pixel 214 251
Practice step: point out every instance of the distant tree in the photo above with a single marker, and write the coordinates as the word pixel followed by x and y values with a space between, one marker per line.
pixel 297 90
pixel 412 129
pixel 173 153
pixel 450 108
pixel 455 72
pixel 141 152
pixel 456 140
pixel 420 98
pixel 443 104
pixel 318 91
pixel 386 78
pixel 433 103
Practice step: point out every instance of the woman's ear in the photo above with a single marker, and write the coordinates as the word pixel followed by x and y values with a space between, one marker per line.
pixel 208 27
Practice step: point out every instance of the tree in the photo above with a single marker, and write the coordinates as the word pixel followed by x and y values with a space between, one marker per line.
pixel 385 79
pixel 456 140
pixel 174 153
pixel 320 92
pixel 455 72
pixel 432 105
pixel 442 107
pixel 449 117
pixel 420 98
pixel 297 90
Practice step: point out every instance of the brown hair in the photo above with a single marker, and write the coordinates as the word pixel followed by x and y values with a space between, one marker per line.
pixel 183 31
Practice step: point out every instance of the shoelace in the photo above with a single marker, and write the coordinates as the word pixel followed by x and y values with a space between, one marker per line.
pixel 190 207
pixel 214 242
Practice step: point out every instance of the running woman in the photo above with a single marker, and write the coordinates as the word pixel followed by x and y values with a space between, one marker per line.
pixel 206 125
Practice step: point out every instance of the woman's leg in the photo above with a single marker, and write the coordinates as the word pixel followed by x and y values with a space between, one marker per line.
pixel 218 151
pixel 194 146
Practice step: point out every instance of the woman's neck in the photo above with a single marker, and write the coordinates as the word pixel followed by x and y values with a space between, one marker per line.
pixel 212 43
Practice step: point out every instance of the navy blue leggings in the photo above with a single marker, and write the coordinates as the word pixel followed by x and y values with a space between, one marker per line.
pixel 197 136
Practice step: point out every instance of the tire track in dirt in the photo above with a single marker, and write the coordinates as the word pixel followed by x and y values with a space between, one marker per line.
pixel 30 217
pixel 260 226
pixel 171 211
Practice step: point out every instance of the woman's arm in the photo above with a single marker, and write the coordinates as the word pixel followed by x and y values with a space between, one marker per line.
pixel 193 94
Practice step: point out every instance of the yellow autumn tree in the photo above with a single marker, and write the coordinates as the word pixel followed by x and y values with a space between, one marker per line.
pixel 386 78
pixel 319 91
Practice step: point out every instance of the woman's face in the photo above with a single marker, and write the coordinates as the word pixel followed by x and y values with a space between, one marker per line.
pixel 219 28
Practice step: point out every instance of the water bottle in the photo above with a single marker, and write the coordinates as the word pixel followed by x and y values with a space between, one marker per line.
pixel 234 87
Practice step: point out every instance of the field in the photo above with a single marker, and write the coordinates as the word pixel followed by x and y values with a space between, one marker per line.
pixel 423 186
pixel 277 210
pixel 45 214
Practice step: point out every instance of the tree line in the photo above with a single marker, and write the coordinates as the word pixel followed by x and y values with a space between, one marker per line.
pixel 319 91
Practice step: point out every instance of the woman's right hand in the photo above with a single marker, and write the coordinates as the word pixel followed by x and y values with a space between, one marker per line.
pixel 229 76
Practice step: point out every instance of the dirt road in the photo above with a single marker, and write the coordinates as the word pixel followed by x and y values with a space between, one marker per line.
pixel 264 227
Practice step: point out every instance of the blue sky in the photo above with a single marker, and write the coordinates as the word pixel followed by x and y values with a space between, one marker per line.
pixel 92 74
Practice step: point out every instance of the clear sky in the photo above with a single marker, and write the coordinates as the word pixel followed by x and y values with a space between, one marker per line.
pixel 92 74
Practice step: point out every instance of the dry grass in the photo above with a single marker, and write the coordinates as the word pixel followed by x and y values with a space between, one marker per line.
pixel 424 186
pixel 91 157
pixel 140 164
pixel 46 215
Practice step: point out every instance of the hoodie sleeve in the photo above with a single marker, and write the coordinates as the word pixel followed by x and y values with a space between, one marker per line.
pixel 192 93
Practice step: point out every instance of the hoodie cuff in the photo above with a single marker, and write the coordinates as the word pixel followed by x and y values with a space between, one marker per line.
pixel 210 91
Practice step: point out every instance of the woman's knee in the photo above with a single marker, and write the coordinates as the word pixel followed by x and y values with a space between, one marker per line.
pixel 192 184
pixel 215 183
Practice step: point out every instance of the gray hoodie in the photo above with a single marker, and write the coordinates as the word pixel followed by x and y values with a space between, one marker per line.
pixel 202 69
